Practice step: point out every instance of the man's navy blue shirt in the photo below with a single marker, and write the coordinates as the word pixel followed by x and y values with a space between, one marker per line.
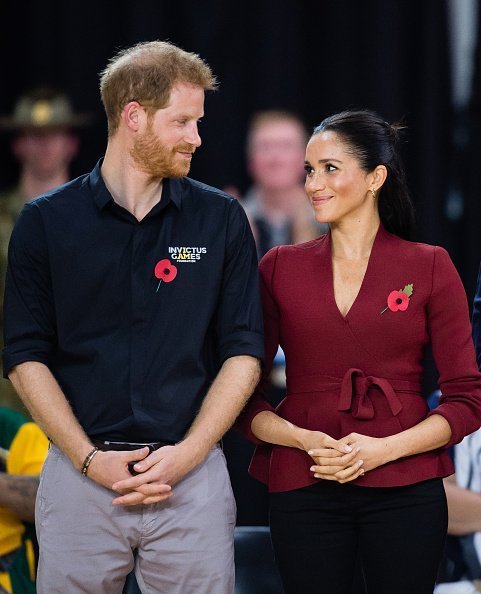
pixel 134 319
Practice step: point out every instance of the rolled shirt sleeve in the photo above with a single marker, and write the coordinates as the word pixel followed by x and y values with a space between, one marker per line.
pixel 29 308
pixel 239 315
pixel 258 403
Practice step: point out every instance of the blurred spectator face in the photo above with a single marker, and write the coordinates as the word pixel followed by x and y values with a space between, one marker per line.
pixel 276 153
pixel 46 152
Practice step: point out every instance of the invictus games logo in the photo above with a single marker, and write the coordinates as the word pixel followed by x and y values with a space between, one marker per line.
pixel 186 254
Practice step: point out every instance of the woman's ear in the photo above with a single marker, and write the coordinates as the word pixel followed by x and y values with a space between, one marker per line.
pixel 379 175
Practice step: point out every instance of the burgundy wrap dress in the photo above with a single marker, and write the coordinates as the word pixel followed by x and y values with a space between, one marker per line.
pixel 362 372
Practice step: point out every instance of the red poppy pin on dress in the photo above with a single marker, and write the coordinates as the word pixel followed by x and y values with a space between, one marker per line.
pixel 165 271
pixel 399 300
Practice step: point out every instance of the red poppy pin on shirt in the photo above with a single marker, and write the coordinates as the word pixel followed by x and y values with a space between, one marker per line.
pixel 165 271
pixel 399 300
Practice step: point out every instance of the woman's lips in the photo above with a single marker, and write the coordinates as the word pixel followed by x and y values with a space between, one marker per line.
pixel 320 199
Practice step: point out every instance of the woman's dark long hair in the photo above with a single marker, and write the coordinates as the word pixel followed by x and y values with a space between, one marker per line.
pixel 375 142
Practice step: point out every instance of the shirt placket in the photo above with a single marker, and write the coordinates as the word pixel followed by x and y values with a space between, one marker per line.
pixel 139 294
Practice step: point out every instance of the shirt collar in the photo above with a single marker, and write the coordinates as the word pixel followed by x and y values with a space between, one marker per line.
pixel 171 190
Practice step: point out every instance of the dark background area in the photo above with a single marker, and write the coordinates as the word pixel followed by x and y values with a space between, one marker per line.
pixel 314 58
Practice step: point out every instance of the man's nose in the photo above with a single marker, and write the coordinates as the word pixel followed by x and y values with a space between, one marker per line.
pixel 193 136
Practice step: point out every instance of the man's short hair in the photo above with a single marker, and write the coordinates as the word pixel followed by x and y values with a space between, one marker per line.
pixel 146 72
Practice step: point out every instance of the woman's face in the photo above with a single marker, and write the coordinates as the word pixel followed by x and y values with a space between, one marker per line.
pixel 337 187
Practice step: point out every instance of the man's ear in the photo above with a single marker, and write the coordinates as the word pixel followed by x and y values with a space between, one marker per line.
pixel 133 116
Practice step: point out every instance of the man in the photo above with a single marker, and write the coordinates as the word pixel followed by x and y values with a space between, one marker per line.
pixel 133 335
pixel 23 448
pixel 44 142
pixel 276 204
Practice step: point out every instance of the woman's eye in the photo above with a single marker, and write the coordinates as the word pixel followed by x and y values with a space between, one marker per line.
pixel 308 169
pixel 330 167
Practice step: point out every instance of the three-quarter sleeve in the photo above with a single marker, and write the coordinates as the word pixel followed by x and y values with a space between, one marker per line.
pixel 239 315
pixel 29 308
pixel 453 350
pixel 258 401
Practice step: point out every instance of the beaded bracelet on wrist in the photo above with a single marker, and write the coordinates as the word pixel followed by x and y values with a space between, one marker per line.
pixel 88 459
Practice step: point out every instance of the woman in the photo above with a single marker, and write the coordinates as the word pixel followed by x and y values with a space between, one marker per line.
pixel 356 459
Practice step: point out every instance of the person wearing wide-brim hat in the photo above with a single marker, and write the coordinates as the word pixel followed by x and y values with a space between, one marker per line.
pixel 44 141
pixel 43 109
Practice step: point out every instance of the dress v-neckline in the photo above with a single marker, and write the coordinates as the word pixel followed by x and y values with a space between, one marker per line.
pixel 364 281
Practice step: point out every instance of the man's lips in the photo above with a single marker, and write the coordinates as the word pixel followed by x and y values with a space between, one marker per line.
pixel 186 150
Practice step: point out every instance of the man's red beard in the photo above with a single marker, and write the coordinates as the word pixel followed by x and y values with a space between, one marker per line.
pixel 153 158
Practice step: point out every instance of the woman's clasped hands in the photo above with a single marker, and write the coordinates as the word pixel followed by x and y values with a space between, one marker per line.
pixel 349 458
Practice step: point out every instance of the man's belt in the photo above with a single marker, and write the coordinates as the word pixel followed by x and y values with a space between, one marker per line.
pixel 128 446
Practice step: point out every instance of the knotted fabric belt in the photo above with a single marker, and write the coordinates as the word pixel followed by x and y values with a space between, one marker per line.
pixel 356 386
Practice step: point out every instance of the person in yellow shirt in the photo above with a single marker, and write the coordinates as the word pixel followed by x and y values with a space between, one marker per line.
pixel 23 448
